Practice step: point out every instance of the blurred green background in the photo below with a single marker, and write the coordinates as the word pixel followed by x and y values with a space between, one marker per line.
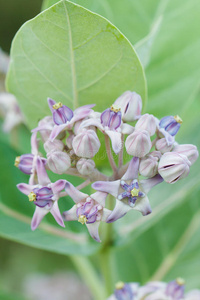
pixel 166 244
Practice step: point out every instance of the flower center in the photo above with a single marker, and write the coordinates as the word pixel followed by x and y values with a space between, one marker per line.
pixel 180 281
pixel 82 219
pixel 119 285
pixel 134 192
pixel 115 108
pixel 17 161
pixel 32 197
pixel 57 105
pixel 178 119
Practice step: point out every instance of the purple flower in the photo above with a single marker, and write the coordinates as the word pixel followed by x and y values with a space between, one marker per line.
pixel 169 126
pixel 175 289
pixel 64 118
pixel 125 291
pixel 130 193
pixel 88 210
pixel 44 195
pixel 110 123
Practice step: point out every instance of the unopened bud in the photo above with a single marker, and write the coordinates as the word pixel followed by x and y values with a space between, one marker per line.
pixel 56 145
pixel 85 166
pixel 162 146
pixel 173 166
pixel 138 143
pixel 149 164
pixel 188 150
pixel 131 106
pixel 86 144
pixel 59 162
pixel 147 122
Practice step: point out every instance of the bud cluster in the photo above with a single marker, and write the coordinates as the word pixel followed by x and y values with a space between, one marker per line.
pixel 71 143
pixel 155 290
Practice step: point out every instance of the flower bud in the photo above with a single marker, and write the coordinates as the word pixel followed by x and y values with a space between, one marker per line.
pixel 85 166
pixel 131 106
pixel 188 150
pixel 56 145
pixel 149 164
pixel 138 143
pixel 59 162
pixel 162 146
pixel 173 166
pixel 147 122
pixel 86 144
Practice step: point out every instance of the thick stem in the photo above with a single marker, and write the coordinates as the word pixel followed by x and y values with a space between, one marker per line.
pixel 89 276
pixel 105 254
pixel 110 156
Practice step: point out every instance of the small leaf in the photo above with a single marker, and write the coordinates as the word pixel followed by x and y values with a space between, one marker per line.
pixel 74 56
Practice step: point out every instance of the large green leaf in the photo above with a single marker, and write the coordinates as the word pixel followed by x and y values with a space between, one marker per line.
pixel 16 213
pixel 74 56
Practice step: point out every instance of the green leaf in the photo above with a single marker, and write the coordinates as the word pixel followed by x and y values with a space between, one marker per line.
pixel 74 56
pixel 16 213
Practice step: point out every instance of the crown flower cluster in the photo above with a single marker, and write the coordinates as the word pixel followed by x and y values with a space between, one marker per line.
pixel 71 143
pixel 155 290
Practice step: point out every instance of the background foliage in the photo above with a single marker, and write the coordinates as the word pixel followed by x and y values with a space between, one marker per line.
pixel 165 244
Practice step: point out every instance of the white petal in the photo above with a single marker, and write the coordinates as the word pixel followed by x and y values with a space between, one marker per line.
pixel 70 215
pixel 119 211
pixel 116 141
pixel 38 216
pixel 56 214
pixel 94 230
pixel 100 197
pixel 75 194
pixel 143 205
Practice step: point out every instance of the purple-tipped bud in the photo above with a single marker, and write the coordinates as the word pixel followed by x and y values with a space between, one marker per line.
pixel 138 143
pixel 59 162
pixel 173 166
pixel 123 291
pixel 131 106
pixel 111 117
pixel 85 166
pixel 147 122
pixel 188 150
pixel 149 164
pixel 171 124
pixel 86 144
pixel 56 145
pixel 175 289
pixel 162 146
pixel 25 163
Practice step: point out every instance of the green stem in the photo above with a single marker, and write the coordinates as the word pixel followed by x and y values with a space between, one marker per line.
pixel 105 254
pixel 89 276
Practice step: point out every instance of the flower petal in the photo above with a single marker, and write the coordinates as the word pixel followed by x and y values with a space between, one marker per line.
pixel 38 216
pixel 51 102
pixel 115 140
pixel 92 122
pixel 119 211
pixel 75 194
pixel 110 187
pixel 100 197
pixel 106 214
pixel 56 214
pixel 43 178
pixel 70 215
pixel 25 188
pixel 58 186
pixel 94 230
pixel 143 205
pixel 132 171
pixel 56 130
pixel 148 184
pixel 34 144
